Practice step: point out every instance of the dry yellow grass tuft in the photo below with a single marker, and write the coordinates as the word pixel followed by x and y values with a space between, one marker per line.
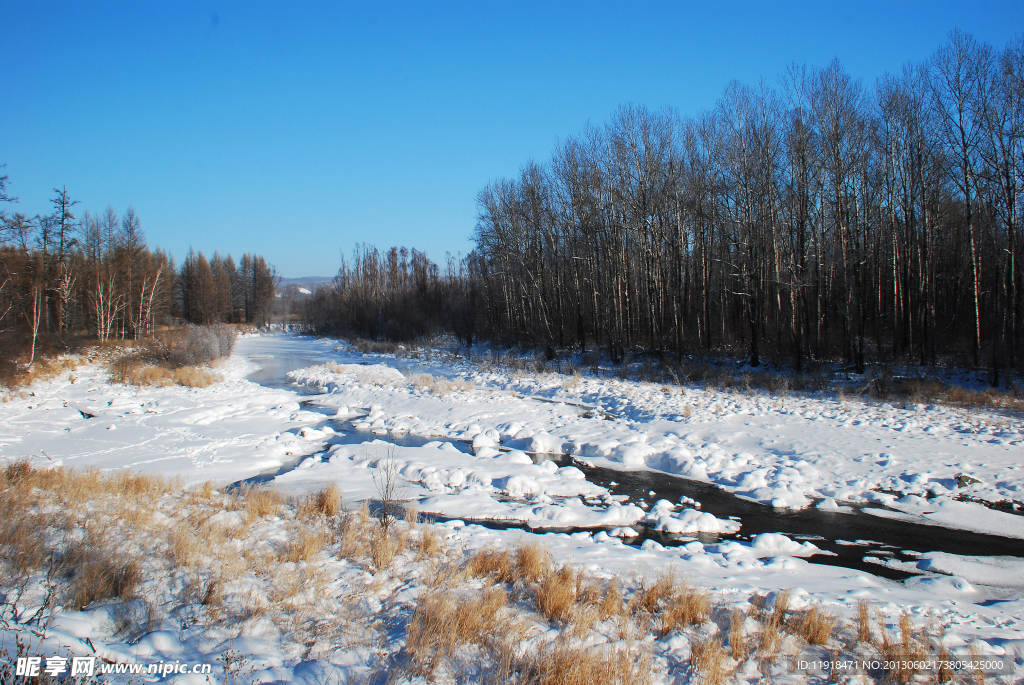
pixel 772 622
pixel 905 654
pixel 708 659
pixel 651 599
pixel 354 532
pixel 184 545
pixel 429 544
pixel 685 607
pixel 498 563
pixel 133 370
pixel 977 675
pixel 443 622
pixel 259 502
pixel 815 626
pixel 556 594
pixel 325 502
pixel 305 545
pixel 384 547
pixel 737 641
pixel 44 369
pixel 532 562
pixel 564 664
pixel 611 604
pixel 863 621
pixel 97 572
pixel 781 607
pixel 194 377
pixel 441 386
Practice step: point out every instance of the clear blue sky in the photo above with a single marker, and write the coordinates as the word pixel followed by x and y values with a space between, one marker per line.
pixel 299 129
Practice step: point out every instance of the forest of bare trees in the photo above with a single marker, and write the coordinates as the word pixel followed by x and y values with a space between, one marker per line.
pixel 819 219
pixel 65 278
pixel 398 295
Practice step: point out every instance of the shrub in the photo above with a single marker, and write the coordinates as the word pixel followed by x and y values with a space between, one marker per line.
pixel 192 345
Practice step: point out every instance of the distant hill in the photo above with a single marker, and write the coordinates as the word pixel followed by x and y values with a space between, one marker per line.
pixel 308 282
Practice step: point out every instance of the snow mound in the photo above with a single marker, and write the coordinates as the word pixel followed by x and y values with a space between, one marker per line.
pixel 772 544
pixel 333 376
pixel 663 517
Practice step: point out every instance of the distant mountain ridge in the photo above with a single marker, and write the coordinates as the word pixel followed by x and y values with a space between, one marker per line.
pixel 306 281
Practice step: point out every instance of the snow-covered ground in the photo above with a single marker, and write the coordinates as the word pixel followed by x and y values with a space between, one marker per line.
pixel 467 448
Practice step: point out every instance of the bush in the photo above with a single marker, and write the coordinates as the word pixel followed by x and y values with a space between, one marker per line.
pixel 193 345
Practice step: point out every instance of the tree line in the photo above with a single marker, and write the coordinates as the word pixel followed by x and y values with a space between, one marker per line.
pixel 63 277
pixel 397 295
pixel 818 219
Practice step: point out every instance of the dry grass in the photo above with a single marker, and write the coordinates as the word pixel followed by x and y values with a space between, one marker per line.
pixel 43 531
pixel 194 377
pixel 772 622
pixel 354 533
pixel 260 502
pixel 305 545
pixel 224 577
pixel 528 563
pixel 815 626
pixel 444 622
pixel 185 545
pixel 373 346
pixel 532 562
pixel 977 675
pixel 384 547
pixel 497 563
pixel 708 659
pixel 945 674
pixel 611 604
pixel 564 664
pixel 132 370
pixel 97 572
pixel 904 653
pixel 781 607
pixel 556 594
pixel 677 606
pixel 441 386
pixel 651 599
pixel 429 544
pixel 685 607
pixel 737 641
pixel 363 540
pixel 863 621
pixel 45 369
pixel 324 503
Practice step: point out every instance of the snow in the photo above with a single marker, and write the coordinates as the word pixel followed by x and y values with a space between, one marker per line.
pixel 480 452
pixel 663 517
pixel 228 431
pixel 788 452
pixel 945 511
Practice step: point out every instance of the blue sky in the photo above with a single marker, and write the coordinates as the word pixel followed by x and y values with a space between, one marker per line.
pixel 299 129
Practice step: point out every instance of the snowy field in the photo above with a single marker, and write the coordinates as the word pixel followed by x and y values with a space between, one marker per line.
pixel 468 443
